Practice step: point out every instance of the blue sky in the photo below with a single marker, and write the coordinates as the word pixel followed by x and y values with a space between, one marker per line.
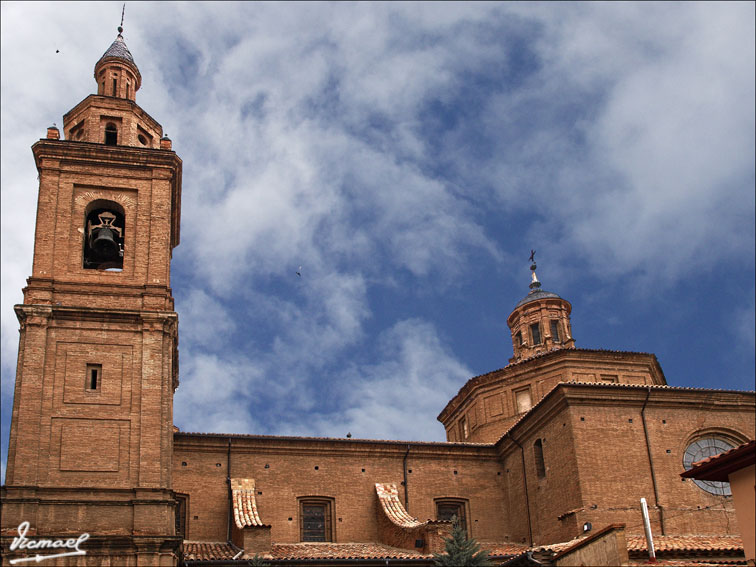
pixel 408 157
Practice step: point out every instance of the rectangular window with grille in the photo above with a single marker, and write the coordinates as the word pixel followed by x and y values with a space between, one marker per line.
pixel 315 520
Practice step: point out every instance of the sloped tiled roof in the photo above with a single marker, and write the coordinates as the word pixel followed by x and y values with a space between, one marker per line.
pixel 216 551
pixel 297 551
pixel 502 549
pixel 388 496
pixel 744 447
pixel 208 551
pixel 719 467
pixel 245 505
pixel 687 543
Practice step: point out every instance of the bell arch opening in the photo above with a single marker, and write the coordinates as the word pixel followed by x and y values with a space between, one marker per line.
pixel 104 235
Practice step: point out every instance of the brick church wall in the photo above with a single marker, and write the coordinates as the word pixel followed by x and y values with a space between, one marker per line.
pixel 597 463
pixel 470 473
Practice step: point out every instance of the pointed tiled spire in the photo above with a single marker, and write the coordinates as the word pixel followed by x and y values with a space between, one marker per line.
pixel 116 72
pixel 118 49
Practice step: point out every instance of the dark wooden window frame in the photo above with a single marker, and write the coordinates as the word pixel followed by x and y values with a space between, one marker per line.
pixel 460 505
pixel 182 514
pixel 309 528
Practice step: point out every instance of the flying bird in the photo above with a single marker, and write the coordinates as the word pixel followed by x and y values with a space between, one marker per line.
pixel 299 271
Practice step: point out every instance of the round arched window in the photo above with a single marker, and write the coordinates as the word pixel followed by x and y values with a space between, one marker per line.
pixel 701 449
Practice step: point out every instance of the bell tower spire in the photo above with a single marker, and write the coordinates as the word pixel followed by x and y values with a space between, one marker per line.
pixel 540 321
pixel 116 72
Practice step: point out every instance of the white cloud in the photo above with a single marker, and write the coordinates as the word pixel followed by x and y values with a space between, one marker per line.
pixel 399 397
pixel 397 149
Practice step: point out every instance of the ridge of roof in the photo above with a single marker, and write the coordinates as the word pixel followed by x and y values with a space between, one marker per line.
pixel 339 439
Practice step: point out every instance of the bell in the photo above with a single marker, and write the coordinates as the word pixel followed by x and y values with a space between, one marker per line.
pixel 103 244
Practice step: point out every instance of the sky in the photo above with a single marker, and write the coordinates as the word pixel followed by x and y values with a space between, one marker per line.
pixel 405 158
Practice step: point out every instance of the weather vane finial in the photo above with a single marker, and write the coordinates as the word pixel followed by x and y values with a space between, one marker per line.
pixel 534 283
pixel 123 11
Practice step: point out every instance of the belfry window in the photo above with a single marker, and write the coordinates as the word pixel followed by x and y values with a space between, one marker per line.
pixel 555 331
pixel 540 464
pixel 315 519
pixel 111 134
pixel 104 228
pixel 535 331
pixel 518 339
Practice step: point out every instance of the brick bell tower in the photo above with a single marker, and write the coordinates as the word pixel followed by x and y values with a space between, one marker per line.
pixel 91 434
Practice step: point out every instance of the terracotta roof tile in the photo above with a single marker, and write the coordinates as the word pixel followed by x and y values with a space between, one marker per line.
pixel 296 551
pixel 245 506
pixel 687 543
pixel 208 550
pixel 744 447
pixel 502 549
pixel 388 496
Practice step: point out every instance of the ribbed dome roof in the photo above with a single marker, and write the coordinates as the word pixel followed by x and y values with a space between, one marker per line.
pixel 536 294
pixel 118 49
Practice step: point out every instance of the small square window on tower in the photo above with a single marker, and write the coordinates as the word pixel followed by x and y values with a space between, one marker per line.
pixel 93 379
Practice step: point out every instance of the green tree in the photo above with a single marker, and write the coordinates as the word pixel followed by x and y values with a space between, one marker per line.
pixel 461 551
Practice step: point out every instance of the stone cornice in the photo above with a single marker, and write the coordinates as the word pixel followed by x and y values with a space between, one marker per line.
pixel 59 312
pixel 94 154
pixel 113 102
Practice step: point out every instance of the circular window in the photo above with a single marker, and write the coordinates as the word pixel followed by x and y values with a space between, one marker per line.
pixel 142 139
pixel 699 450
